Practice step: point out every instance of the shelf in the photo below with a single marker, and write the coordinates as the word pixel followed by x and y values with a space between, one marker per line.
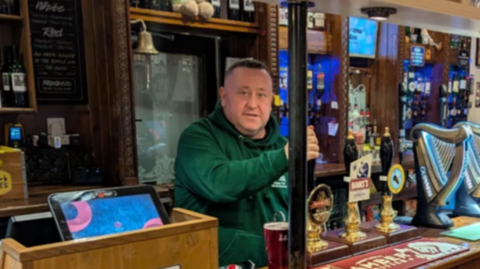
pixel 178 19
pixel 438 15
pixel 18 110
pixel 4 17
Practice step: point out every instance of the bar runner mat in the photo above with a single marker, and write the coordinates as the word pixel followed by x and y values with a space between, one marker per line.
pixel 469 233
pixel 403 256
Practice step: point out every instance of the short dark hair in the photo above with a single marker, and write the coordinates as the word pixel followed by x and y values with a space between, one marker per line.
pixel 247 63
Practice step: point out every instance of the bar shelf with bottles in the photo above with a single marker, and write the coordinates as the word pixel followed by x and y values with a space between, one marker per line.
pixel 459 86
pixel 319 77
pixel 17 94
pixel 422 78
pixel 240 15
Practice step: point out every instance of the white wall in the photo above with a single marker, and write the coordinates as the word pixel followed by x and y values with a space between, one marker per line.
pixel 474 112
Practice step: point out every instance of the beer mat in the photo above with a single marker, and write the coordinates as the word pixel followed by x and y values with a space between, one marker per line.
pixel 469 233
pixel 403 256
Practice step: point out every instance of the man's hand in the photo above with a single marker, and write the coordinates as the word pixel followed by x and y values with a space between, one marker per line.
pixel 312 145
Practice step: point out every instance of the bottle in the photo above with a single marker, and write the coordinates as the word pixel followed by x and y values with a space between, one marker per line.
pixel 7 7
pixel 378 138
pixel 309 78
pixel 234 10
pixel 456 84
pixel 463 82
pixel 18 81
pixel 428 86
pixel 373 136
pixel 6 72
pixel 411 79
pixel 248 11
pixel 319 21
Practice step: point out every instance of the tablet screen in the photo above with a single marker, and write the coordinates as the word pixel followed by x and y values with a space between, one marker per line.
pixel 109 215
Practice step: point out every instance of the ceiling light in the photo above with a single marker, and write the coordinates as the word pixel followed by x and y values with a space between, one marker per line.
pixel 378 13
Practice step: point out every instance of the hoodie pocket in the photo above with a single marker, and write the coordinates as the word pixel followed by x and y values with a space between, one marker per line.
pixel 244 246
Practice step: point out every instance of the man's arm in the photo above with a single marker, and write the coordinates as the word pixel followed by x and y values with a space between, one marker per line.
pixel 206 171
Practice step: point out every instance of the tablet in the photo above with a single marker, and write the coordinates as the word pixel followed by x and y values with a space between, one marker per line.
pixel 83 214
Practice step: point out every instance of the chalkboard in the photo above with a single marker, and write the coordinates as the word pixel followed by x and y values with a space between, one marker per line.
pixel 58 51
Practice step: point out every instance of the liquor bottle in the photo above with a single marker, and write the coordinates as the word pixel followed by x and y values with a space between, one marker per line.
pixel 386 154
pixel 411 79
pixel 234 10
pixel 248 11
pixel 6 72
pixel 151 4
pixel 463 82
pixel 18 81
pixel 135 3
pixel 378 138
pixel 216 8
pixel 319 21
pixel 455 84
pixel 428 86
pixel 309 78
pixel 356 117
pixel 374 135
pixel 310 20
pixel 350 151
pixel 7 7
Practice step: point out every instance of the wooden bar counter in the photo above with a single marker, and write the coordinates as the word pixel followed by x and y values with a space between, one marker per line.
pixel 466 260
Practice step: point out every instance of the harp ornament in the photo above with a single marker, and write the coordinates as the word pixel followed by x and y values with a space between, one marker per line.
pixel 441 157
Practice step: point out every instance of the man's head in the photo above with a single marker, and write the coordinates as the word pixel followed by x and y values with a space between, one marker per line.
pixel 247 97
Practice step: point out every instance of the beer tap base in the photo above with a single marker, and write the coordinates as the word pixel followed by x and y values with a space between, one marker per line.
pixel 431 216
pixel 402 234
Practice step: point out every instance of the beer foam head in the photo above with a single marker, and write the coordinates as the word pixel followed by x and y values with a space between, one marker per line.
pixel 276 226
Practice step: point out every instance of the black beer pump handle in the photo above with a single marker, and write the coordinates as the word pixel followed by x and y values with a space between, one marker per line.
pixel 310 176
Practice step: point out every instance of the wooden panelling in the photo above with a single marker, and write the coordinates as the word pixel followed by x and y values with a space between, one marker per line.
pixel 384 96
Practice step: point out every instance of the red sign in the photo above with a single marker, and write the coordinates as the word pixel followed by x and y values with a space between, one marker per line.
pixel 359 184
pixel 403 256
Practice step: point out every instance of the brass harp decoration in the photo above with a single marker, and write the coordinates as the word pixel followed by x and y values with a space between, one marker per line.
pixel 319 208
pixel 471 186
pixel 437 151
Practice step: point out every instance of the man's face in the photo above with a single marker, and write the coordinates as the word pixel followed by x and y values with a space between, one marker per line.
pixel 247 100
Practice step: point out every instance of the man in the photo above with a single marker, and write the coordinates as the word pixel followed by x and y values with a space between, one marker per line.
pixel 233 164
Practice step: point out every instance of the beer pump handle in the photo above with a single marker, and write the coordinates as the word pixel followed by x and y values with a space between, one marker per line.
pixel 310 175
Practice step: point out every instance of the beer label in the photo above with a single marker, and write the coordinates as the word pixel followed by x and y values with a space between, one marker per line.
pixel 463 84
pixel 233 4
pixel 455 86
pixel 319 19
pixel 449 86
pixel 248 6
pixel 6 81
pixel 19 83
pixel 411 86
pixel 216 3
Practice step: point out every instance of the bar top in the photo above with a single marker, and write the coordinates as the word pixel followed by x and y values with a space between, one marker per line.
pixel 468 259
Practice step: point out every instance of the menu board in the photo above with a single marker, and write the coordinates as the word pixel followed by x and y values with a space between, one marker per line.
pixel 58 51
pixel 417 56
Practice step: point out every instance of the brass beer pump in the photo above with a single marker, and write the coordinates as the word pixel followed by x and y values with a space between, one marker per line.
pixel 387 214
pixel 352 220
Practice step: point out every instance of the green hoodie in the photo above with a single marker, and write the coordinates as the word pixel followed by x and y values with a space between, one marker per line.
pixel 240 181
